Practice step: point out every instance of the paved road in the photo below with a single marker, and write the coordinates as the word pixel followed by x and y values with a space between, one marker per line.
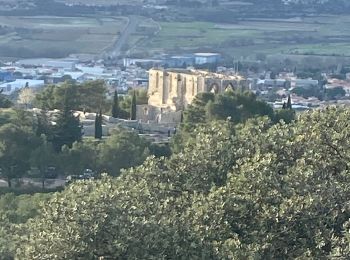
pixel 3 183
pixel 129 29
pixel 49 183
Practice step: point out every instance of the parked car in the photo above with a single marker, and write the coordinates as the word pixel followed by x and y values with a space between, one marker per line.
pixel 51 172
pixel 71 178
pixel 88 174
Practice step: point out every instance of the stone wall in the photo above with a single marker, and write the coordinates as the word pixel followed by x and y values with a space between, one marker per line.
pixel 151 114
pixel 175 89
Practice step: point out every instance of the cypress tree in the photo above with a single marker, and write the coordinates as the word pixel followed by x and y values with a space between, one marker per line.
pixel 98 125
pixel 289 102
pixel 115 106
pixel 133 107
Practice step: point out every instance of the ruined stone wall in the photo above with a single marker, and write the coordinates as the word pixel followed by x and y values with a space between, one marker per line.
pixel 155 88
pixel 174 90
pixel 147 113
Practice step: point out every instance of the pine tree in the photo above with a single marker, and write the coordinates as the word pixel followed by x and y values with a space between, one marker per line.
pixel 133 107
pixel 67 129
pixel 98 125
pixel 289 102
pixel 43 125
pixel 115 107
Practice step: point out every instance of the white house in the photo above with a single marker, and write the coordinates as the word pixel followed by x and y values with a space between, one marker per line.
pixel 304 83
pixel 49 63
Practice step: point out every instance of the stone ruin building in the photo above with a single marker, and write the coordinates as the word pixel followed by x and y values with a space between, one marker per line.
pixel 170 91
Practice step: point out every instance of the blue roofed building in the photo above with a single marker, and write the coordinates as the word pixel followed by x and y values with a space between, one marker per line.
pixel 182 61
pixel 206 58
pixel 6 76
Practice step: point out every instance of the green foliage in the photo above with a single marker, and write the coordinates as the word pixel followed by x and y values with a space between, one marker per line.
pixel 82 155
pixel 196 112
pixel 115 106
pixel 47 99
pixel 334 93
pixel 253 191
pixel 235 106
pixel 289 103
pixel 16 143
pixel 30 145
pixel 89 96
pixel 15 210
pixel 238 107
pixel 18 117
pixel 133 107
pixel 92 95
pixel 42 124
pixel 5 102
pixel 22 207
pixel 308 92
pixel 120 151
pixel 141 95
pixel 67 129
pixel 126 101
pixel 98 125
pixel 286 115
pixel 160 150
pixel 41 158
pixel 6 116
pixel 29 190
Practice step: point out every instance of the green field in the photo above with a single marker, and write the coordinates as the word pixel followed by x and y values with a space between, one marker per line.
pixel 101 2
pixel 57 36
pixel 48 36
pixel 322 35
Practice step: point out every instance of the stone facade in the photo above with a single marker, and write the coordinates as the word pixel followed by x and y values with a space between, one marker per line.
pixel 174 89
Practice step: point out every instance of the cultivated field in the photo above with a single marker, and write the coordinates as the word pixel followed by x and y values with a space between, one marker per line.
pixel 56 36
pixel 100 2
pixel 322 35
pixel 47 36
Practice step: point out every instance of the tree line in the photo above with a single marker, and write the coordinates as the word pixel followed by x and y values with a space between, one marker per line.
pixel 194 203
pixel 33 142
pixel 252 190
pixel 26 150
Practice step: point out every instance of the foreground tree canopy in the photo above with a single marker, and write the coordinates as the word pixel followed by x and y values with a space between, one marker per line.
pixel 235 106
pixel 252 191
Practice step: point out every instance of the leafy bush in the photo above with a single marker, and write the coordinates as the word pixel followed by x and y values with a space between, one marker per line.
pixel 252 191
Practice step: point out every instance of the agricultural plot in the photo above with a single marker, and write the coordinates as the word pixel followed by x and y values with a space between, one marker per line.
pixel 56 36
pixel 145 30
pixel 322 35
pixel 99 2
